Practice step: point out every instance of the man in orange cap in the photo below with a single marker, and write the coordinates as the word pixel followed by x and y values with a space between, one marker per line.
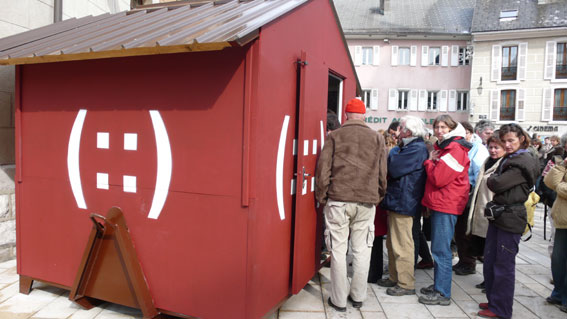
pixel 350 181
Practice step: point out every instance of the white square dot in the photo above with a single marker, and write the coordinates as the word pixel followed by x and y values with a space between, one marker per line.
pixel 102 140
pixel 102 180
pixel 129 184
pixel 130 141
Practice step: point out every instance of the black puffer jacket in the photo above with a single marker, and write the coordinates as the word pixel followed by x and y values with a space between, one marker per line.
pixel 512 183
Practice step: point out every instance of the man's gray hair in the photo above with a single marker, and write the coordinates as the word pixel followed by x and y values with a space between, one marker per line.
pixel 563 140
pixel 483 125
pixel 414 125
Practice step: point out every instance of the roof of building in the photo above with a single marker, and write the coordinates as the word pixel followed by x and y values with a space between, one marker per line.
pixel 202 26
pixel 530 15
pixel 445 17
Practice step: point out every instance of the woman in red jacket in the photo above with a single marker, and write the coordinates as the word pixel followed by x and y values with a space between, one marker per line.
pixel 446 194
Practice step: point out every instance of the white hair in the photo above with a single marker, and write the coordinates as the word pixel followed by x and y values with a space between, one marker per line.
pixel 413 124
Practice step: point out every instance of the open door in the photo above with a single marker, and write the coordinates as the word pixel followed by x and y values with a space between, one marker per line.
pixel 307 221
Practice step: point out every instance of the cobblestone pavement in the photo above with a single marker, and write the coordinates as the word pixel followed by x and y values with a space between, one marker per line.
pixel 533 276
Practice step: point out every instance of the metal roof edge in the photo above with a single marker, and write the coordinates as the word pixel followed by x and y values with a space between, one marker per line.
pixel 194 47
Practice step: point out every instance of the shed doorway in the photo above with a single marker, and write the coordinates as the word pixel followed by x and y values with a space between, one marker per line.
pixel 335 95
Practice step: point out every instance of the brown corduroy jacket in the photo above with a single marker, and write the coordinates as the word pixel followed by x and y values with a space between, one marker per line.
pixel 352 165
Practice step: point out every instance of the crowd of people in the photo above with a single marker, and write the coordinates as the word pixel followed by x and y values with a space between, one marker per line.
pixel 464 186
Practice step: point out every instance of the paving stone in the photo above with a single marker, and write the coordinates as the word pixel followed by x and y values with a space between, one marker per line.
pixel 409 311
pixel 61 307
pixel 301 315
pixel 373 315
pixel 308 299
pixel 452 311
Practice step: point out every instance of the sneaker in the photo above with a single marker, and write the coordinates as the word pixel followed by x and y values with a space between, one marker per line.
pixel 465 270
pixel 486 313
pixel 386 283
pixel 483 305
pixel 552 301
pixel 424 264
pixel 427 290
pixel 355 304
pixel 337 308
pixel 480 286
pixel 399 291
pixel 434 299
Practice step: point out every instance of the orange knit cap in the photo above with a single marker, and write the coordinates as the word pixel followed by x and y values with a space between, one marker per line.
pixel 355 106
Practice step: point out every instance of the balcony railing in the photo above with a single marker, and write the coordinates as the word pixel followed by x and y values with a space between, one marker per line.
pixel 561 71
pixel 560 113
pixel 509 73
pixel 507 113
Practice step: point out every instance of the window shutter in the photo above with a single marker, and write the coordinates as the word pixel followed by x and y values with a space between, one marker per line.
pixel 357 55
pixel 550 56
pixel 374 99
pixel 520 104
pixel 413 55
pixel 454 55
pixel 422 105
pixel 424 55
pixel 496 56
pixel 452 100
pixel 413 100
pixel 394 55
pixel 494 105
pixel 445 55
pixel 522 60
pixel 392 100
pixel 376 60
pixel 442 100
pixel 546 110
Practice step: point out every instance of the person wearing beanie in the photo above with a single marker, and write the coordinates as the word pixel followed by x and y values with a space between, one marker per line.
pixel 350 181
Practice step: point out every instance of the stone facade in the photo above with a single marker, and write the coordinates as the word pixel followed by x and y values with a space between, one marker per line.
pixel 18 16
pixel 486 97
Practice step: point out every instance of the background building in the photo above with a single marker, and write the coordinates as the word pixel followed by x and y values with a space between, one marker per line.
pixel 412 57
pixel 519 72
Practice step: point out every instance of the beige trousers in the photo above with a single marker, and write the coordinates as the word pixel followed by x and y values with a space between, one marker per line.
pixel 400 250
pixel 342 219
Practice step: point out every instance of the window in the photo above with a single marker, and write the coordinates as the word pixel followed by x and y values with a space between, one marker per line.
pixel 462 101
pixel 507 105
pixel 560 105
pixel 508 15
pixel 367 56
pixel 509 63
pixel 434 56
pixel 366 96
pixel 403 100
pixel 432 100
pixel 464 56
pixel 561 61
pixel 403 56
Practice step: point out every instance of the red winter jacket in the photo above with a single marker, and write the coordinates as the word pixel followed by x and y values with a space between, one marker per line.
pixel 447 187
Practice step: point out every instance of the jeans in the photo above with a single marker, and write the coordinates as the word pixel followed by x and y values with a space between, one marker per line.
pixel 559 266
pixel 442 230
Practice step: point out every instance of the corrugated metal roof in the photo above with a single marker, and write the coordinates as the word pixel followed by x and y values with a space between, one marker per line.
pixel 170 29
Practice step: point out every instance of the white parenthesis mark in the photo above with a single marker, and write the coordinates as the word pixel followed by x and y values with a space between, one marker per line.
pixel 73 159
pixel 322 135
pixel 164 165
pixel 279 167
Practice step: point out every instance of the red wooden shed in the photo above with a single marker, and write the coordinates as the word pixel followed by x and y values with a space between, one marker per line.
pixel 193 119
